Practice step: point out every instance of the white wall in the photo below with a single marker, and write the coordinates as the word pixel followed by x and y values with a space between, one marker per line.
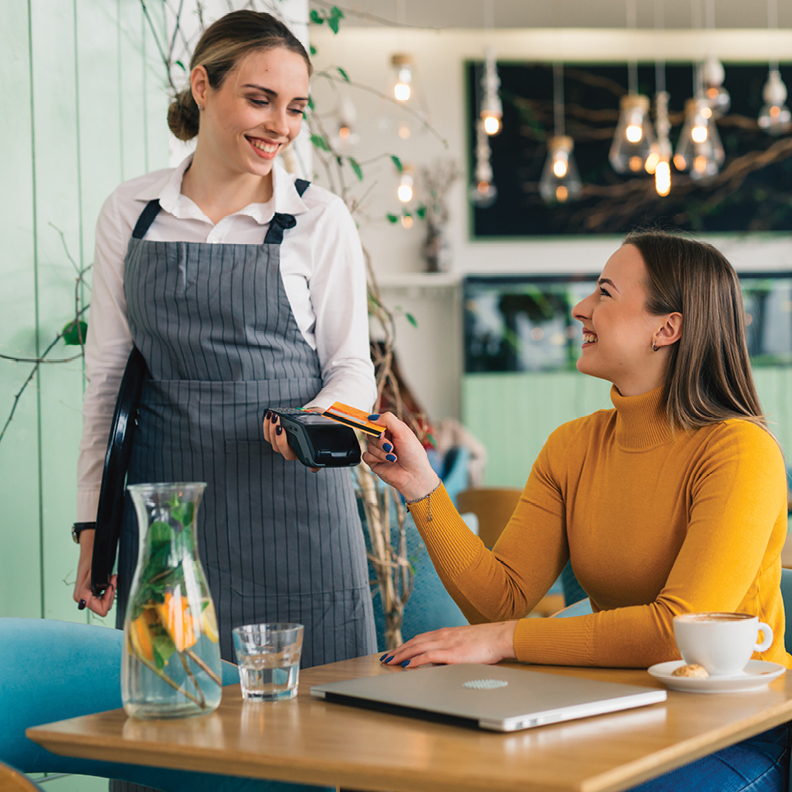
pixel 431 356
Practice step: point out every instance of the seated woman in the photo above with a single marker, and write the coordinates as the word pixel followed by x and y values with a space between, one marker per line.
pixel 672 502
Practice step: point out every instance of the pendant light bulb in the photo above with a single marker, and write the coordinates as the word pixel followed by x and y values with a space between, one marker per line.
pixel 699 149
pixel 663 178
pixel 491 107
pixel 632 142
pixel 405 189
pixel 717 96
pixel 403 65
pixel 483 192
pixel 774 117
pixel 560 180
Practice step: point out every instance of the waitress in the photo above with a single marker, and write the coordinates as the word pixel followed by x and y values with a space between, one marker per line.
pixel 243 288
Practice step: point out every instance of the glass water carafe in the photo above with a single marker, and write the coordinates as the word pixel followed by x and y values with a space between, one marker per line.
pixel 171 658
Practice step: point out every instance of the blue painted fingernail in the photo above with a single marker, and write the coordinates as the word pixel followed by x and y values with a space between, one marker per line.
pixel 279 430
pixel 387 447
pixel 390 457
pixel 405 664
pixel 383 657
pixel 373 416
pixel 388 658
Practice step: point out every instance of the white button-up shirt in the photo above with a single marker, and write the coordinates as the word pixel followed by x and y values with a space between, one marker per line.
pixel 323 274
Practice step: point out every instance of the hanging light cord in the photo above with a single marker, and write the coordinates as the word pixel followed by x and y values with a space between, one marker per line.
pixel 659 19
pixel 632 66
pixel 772 24
pixel 558 99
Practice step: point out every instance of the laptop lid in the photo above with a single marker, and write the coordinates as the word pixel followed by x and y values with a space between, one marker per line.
pixel 489 697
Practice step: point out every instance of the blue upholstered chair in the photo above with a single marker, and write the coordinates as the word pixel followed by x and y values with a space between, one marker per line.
pixel 52 670
pixel 430 606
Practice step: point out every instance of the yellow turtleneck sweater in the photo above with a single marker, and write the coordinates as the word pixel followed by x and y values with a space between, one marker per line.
pixel 656 524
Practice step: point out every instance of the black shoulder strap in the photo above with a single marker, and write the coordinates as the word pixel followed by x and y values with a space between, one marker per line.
pixel 146 219
pixel 281 222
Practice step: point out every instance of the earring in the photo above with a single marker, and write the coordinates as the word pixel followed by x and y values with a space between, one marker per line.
pixel 654 347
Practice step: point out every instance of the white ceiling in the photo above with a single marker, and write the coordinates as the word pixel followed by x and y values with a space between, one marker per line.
pixel 679 14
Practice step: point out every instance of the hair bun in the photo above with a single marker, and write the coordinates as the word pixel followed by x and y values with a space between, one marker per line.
pixel 183 116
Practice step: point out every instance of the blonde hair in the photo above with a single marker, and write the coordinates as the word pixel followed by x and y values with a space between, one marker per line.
pixel 709 372
pixel 219 49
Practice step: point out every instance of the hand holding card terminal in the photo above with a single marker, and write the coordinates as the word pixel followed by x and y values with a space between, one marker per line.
pixel 318 441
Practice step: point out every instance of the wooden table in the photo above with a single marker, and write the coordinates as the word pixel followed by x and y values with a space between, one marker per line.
pixel 312 741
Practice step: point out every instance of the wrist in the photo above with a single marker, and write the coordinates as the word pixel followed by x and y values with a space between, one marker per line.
pixel 422 489
pixel 79 527
pixel 507 641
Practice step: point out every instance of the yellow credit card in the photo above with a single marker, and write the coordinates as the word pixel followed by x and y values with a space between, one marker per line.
pixel 353 417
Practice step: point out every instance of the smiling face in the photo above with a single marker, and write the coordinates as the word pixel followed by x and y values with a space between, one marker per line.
pixel 256 111
pixel 618 331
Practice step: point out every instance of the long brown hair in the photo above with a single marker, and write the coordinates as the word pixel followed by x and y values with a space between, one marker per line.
pixel 219 50
pixel 709 373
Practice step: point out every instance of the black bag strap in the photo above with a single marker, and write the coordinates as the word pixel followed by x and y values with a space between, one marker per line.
pixel 111 495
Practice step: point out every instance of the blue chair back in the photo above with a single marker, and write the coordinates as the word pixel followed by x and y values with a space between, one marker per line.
pixel 53 670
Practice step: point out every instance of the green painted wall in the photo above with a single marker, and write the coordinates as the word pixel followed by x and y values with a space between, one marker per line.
pixel 82 108
pixel 513 414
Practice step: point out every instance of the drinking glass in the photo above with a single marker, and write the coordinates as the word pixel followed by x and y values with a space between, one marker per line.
pixel 268 656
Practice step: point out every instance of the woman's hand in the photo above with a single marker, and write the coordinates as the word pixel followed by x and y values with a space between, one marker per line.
pixel 82 587
pixel 275 435
pixel 475 643
pixel 399 459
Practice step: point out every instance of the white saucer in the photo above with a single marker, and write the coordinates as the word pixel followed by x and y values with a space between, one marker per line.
pixel 755 676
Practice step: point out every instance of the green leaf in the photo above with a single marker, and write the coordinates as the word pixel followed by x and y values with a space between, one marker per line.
pixel 343 73
pixel 320 142
pixel 163 649
pixel 181 66
pixel 421 211
pixel 392 218
pixel 332 23
pixel 406 213
pixel 411 319
pixel 183 512
pixel 74 333
pixel 336 13
pixel 353 163
pixel 397 163
pixel 316 17
pixel 160 532
pixel 310 102
pixel 312 50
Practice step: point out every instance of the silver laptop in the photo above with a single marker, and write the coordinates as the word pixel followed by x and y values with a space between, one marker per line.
pixel 490 697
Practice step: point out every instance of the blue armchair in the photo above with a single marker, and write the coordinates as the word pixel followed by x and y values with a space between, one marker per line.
pixel 53 670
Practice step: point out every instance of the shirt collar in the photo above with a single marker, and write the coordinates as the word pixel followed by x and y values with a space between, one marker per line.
pixel 285 199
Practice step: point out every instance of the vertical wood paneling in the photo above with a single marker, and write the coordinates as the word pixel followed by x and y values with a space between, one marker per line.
pixel 83 106
pixel 57 156
pixel 20 570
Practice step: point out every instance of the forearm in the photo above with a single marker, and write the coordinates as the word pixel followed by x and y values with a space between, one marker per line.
pixel 486 585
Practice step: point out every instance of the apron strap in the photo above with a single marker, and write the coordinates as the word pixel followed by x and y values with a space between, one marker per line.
pixel 280 222
pixel 146 219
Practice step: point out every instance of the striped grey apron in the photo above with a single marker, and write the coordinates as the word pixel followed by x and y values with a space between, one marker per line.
pixel 278 542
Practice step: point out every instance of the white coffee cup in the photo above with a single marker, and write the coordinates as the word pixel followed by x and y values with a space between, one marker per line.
pixel 721 642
